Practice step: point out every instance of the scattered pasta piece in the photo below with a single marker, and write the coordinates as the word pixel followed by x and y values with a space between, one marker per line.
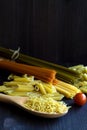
pixel 25 85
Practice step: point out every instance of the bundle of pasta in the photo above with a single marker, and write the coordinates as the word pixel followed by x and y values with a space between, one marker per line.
pixel 44 74
pixel 68 90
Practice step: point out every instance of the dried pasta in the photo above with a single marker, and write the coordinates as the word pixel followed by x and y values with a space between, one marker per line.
pixel 43 97
pixel 82 83
pixel 25 85
pixel 47 105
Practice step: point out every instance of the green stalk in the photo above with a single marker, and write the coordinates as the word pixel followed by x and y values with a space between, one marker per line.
pixel 63 73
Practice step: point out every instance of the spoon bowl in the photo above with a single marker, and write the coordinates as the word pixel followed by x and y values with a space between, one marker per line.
pixel 19 101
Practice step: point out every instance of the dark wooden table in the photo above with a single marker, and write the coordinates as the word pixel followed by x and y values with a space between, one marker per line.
pixel 13 118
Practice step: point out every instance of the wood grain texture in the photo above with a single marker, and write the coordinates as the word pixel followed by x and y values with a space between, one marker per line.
pixel 53 30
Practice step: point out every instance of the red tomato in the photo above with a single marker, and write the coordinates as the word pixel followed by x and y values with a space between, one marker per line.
pixel 80 99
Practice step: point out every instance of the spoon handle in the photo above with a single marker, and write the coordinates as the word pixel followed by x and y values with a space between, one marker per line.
pixel 12 99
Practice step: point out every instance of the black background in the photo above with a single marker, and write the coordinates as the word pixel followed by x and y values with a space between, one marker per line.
pixel 54 30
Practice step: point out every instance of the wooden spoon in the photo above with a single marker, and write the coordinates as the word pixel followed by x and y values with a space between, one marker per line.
pixel 19 101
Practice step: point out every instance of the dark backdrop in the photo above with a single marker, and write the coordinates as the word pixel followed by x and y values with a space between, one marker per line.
pixel 54 30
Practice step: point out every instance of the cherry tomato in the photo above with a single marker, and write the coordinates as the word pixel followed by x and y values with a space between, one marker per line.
pixel 80 99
